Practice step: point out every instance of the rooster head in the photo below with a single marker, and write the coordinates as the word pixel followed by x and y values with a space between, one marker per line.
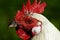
pixel 25 23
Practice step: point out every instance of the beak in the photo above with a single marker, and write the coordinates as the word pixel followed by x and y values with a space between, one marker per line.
pixel 13 24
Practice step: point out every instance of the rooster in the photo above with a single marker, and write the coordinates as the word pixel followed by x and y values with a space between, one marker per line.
pixel 30 24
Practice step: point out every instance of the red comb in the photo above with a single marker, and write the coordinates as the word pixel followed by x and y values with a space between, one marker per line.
pixel 35 7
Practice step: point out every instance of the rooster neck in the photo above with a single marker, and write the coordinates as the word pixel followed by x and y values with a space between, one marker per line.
pixel 49 31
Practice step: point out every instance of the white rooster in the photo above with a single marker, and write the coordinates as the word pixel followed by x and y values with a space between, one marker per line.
pixel 26 19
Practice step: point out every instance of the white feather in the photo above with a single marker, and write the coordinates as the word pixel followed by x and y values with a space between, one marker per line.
pixel 49 31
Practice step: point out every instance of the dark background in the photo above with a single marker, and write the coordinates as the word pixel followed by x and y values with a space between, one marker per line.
pixel 8 9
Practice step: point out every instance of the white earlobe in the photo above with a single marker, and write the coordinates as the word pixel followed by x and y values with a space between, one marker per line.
pixel 36 30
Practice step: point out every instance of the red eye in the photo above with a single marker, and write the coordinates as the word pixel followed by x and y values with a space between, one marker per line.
pixel 29 21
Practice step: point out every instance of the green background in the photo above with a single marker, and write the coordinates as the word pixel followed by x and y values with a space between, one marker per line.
pixel 8 9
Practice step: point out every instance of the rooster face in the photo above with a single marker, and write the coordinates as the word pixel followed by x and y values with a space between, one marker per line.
pixel 25 22
pixel 29 24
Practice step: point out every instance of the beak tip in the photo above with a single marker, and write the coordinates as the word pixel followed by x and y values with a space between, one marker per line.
pixel 13 24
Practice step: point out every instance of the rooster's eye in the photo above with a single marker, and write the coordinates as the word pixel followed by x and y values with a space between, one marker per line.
pixel 28 21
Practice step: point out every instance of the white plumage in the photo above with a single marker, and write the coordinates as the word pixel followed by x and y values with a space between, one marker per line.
pixel 49 31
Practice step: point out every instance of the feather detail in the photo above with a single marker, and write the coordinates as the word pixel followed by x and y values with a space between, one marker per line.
pixel 49 31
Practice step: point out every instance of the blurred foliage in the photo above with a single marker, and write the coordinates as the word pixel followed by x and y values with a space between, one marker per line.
pixel 8 9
